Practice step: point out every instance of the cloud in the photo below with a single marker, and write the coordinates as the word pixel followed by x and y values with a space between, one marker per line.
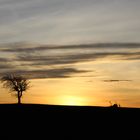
pixel 35 57
pixel 3 60
pixel 115 80
pixel 50 73
pixel 76 58
pixel 5 66
pixel 27 47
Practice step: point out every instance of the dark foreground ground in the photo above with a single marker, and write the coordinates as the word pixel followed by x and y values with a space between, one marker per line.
pixel 70 122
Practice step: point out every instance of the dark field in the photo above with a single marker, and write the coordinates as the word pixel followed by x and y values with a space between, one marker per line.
pixel 71 121
pixel 86 111
pixel 49 109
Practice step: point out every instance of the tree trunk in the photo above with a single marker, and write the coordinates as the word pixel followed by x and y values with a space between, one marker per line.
pixel 19 100
pixel 19 97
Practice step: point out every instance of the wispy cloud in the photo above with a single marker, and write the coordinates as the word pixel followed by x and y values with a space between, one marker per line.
pixel 49 73
pixel 77 57
pixel 23 47
pixel 6 66
pixel 3 60
pixel 38 58
pixel 116 80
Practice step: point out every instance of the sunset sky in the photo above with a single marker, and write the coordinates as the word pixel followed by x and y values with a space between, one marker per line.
pixel 75 52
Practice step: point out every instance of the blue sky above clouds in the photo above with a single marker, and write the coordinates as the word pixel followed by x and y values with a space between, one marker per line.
pixel 69 21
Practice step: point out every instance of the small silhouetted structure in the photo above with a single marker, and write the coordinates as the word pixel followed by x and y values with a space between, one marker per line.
pixel 115 105
pixel 16 83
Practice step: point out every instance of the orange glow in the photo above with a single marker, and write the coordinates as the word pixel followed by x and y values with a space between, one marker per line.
pixel 71 100
pixel 87 91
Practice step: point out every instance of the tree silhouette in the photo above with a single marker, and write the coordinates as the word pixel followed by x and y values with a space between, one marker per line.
pixel 16 83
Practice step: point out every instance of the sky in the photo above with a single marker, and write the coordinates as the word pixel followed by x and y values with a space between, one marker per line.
pixel 69 21
pixel 75 52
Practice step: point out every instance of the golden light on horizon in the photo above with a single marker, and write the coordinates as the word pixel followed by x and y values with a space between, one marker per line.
pixel 86 90
pixel 71 100
pixel 80 92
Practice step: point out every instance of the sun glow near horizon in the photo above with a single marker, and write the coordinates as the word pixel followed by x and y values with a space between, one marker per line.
pixel 71 100
pixel 81 91
pixel 105 81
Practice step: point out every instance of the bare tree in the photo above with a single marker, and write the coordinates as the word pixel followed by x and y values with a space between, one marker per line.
pixel 16 83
